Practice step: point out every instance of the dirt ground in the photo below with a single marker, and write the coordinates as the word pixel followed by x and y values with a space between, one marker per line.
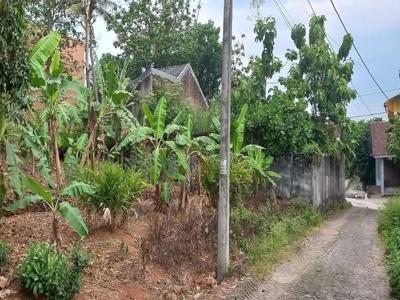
pixel 116 269
pixel 342 260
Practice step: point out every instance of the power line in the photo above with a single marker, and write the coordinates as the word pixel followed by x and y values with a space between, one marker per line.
pixel 330 44
pixel 361 97
pixel 358 53
pixel 285 18
pixel 376 93
pixel 368 115
pixel 352 84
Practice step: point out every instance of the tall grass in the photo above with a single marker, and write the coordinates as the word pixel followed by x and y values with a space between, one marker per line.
pixel 263 235
pixel 389 229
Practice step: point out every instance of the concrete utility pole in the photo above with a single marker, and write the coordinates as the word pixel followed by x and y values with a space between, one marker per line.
pixel 223 203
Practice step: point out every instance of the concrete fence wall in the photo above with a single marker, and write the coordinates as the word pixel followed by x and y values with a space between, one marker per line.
pixel 321 183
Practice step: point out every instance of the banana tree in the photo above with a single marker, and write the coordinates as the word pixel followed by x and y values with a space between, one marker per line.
pixel 158 136
pixel 261 164
pixel 212 141
pixel 56 205
pixel 54 88
pixel 8 136
pixel 112 87
pixel 187 149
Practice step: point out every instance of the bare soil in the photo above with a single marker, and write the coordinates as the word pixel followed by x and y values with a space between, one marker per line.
pixel 118 268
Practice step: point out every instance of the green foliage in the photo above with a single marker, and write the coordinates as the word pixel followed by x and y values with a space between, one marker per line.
pixel 5 253
pixel 359 162
pixel 168 33
pixel 166 141
pixel 320 76
pixel 264 233
pixel 46 272
pixel 14 66
pixel 14 167
pixel 34 140
pixel 53 16
pixel 394 139
pixel 278 119
pixel 389 229
pixel 115 189
pixel 69 213
pixel 241 177
pixel 3 193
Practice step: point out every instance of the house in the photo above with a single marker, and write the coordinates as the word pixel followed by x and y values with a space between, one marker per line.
pixel 192 92
pixel 387 173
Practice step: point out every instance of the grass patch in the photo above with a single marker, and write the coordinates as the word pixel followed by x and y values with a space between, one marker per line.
pixel 266 236
pixel 389 230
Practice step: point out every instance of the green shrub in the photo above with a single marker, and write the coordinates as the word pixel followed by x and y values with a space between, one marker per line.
pixel 241 177
pixel 389 229
pixel 116 188
pixel 4 255
pixel 46 272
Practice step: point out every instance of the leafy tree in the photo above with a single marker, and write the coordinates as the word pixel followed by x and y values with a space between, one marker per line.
pixel 14 64
pixel 167 33
pixel 320 76
pixel 55 15
pixel 318 79
pixel 394 139
pixel 52 15
pixel 151 32
pixel 359 162
pixel 202 48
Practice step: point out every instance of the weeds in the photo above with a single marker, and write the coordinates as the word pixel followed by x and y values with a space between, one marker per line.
pixel 175 242
pixel 389 229
pixel 4 255
pixel 263 234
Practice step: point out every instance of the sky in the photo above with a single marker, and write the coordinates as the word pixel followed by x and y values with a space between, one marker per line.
pixel 374 25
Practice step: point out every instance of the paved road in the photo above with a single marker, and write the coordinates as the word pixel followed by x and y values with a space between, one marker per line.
pixel 343 260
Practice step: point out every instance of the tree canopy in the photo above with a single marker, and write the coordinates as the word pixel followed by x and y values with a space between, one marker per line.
pixel 166 33
pixel 304 112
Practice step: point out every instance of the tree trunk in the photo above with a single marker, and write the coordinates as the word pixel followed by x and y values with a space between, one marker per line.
pixel 55 157
pixel 88 66
pixel 89 147
pixel 182 203
pixel 95 89
pixel 55 237
pixel 158 202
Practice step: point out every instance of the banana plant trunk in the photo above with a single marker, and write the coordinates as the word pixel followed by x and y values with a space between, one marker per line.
pixel 55 157
pixel 159 205
pixel 55 236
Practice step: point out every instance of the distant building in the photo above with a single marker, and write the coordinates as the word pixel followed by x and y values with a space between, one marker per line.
pixel 192 92
pixel 387 174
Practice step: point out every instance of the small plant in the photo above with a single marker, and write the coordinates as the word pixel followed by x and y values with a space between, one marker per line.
pixel 115 189
pixel 4 255
pixel 64 208
pixel 389 229
pixel 47 272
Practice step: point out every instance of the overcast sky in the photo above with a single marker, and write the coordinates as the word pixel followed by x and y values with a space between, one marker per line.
pixel 375 26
